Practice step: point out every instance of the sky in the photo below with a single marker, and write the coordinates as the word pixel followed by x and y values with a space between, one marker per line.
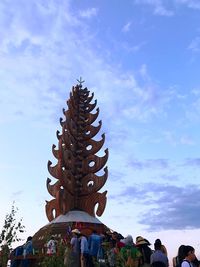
pixel 141 60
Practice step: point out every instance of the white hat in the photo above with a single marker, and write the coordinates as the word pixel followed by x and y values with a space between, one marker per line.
pixel 76 231
pixel 128 240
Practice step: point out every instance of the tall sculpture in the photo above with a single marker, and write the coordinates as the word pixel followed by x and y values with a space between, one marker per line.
pixel 78 165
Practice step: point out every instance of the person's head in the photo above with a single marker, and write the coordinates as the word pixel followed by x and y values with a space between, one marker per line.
pixel 189 253
pixel 76 232
pixel 119 236
pixel 114 235
pixel 29 238
pixel 128 240
pixel 142 242
pixel 157 244
pixel 158 241
pixel 181 255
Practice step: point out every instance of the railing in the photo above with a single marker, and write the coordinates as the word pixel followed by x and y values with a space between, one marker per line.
pixel 33 259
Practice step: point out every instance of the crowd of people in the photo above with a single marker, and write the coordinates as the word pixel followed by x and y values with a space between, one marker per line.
pixel 111 249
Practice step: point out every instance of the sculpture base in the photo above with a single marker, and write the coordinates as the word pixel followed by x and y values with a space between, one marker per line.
pixel 60 228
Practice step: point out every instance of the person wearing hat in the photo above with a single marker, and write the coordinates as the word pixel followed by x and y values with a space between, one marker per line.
pixel 143 245
pixel 86 259
pixel 130 255
pixel 75 247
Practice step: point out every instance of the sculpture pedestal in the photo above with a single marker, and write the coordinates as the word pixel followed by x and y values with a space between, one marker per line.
pixel 61 225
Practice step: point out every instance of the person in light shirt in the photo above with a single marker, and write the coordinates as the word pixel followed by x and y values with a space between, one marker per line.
pixel 190 256
pixel 51 246
pixel 158 258
pixel 85 257
pixel 75 247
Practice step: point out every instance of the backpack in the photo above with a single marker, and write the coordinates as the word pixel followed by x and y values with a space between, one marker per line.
pixel 101 254
pixel 176 262
pixel 146 254
pixel 131 262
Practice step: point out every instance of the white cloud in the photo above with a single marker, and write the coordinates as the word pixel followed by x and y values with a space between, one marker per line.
pixel 159 8
pixel 88 13
pixel 193 110
pixel 195 4
pixel 196 91
pixel 187 140
pixel 133 48
pixel 162 11
pixel 126 27
pixel 143 72
pixel 170 137
pixel 36 62
pixel 194 46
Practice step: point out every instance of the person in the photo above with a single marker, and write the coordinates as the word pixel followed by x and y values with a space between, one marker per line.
pixel 189 256
pixel 102 253
pixel 195 262
pixel 163 248
pixel 107 236
pixel 143 245
pixel 75 248
pixel 158 258
pixel 85 262
pixel 176 261
pixel 27 251
pixel 68 255
pixel 18 251
pixel 94 243
pixel 114 236
pixel 111 255
pixel 130 255
pixel 120 242
pixel 51 246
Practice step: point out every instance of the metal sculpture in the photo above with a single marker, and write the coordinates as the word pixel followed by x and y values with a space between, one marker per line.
pixel 76 171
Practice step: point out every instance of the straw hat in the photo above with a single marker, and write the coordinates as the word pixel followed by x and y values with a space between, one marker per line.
pixel 76 231
pixel 142 241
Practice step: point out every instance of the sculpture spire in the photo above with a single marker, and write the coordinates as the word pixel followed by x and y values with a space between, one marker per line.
pixel 77 165
pixel 80 81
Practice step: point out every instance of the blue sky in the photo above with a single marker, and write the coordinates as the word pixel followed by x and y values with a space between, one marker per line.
pixel 141 60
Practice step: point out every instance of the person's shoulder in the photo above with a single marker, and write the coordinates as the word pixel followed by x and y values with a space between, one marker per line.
pixel 73 239
pixel 185 263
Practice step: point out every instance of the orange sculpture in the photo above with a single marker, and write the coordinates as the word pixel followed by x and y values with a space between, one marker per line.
pixel 78 164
